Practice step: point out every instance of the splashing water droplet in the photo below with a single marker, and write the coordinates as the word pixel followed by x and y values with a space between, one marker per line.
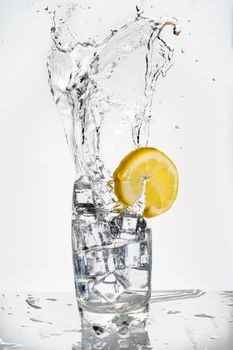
pixel 104 93
pixel 104 90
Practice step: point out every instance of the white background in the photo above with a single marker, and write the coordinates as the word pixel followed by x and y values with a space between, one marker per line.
pixel 193 242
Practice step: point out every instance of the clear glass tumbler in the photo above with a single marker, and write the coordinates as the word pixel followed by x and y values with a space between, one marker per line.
pixel 112 261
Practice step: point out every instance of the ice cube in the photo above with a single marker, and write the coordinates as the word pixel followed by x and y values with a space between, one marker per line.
pixel 129 223
pixel 80 230
pixel 136 254
pixel 141 227
pixel 128 226
pixel 111 263
pixel 82 288
pixel 75 237
pixel 108 289
pixel 144 256
pixel 132 253
pixel 103 196
pixel 114 227
pixel 80 265
pixel 82 193
pixel 118 255
pixel 88 234
pixel 101 233
pixel 91 241
pixel 121 277
pixel 96 263
pixel 138 278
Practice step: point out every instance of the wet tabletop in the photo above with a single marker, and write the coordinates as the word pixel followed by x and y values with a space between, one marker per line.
pixel 178 320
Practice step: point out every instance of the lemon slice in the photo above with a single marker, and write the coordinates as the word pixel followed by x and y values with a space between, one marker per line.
pixel 159 172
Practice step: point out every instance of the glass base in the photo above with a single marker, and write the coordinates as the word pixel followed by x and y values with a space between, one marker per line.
pixel 103 319
pixel 114 331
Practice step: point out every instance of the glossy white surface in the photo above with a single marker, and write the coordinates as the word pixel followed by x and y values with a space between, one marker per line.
pixel 182 319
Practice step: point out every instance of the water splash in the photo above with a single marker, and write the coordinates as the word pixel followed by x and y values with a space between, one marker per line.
pixel 104 90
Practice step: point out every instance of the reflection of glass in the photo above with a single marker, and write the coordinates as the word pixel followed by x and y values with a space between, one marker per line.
pixel 104 94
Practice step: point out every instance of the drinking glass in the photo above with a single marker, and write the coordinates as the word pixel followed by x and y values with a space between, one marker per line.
pixel 112 259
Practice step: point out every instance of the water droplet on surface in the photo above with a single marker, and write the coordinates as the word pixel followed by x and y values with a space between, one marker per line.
pixel 204 316
pixel 7 346
pixel 31 301
pixel 33 319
